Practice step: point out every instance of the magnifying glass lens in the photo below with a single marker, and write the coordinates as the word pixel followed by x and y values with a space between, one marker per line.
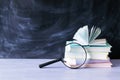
pixel 75 55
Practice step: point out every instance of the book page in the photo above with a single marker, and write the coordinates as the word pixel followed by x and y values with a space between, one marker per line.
pixel 95 32
pixel 82 35
pixel 91 33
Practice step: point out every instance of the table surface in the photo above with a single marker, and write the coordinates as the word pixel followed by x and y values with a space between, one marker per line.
pixel 28 69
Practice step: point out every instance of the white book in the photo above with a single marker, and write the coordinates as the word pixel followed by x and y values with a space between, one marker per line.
pixel 100 56
pixel 92 48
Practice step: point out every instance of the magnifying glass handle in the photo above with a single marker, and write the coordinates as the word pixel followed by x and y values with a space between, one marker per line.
pixel 50 62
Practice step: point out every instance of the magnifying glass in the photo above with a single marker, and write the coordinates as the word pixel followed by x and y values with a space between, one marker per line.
pixel 75 56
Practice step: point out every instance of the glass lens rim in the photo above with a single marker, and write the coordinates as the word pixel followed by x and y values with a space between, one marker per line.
pixel 84 59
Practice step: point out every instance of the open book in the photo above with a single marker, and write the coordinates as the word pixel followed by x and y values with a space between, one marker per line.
pixel 84 36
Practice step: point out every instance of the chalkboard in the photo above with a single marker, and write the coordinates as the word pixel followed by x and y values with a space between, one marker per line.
pixel 40 28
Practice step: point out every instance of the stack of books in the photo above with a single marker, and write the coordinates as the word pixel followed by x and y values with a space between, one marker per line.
pixel 99 55
pixel 97 49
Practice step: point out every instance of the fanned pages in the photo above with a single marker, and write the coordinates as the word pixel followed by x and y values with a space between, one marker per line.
pixel 94 34
pixel 83 36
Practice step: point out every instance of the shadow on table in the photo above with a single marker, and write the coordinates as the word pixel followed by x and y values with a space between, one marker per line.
pixel 116 63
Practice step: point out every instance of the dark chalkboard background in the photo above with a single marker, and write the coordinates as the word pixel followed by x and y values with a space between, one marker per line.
pixel 40 28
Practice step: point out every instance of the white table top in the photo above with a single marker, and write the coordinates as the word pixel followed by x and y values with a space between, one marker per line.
pixel 28 69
